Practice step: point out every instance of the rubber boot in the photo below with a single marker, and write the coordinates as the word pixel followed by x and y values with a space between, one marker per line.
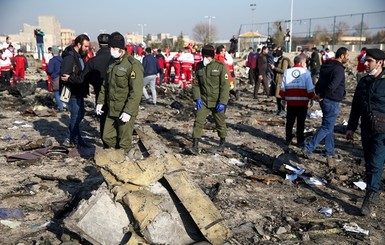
pixel 195 149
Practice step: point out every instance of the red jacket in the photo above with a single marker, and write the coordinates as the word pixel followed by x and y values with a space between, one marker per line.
pixel 140 50
pixel 130 49
pixel 361 61
pixel 20 62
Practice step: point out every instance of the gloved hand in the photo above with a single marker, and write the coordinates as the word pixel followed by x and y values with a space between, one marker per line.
pixel 99 109
pixel 125 117
pixel 198 104
pixel 220 107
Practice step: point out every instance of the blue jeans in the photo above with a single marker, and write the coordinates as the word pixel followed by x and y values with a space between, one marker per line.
pixel 59 103
pixel 373 146
pixel 40 49
pixel 76 109
pixel 330 110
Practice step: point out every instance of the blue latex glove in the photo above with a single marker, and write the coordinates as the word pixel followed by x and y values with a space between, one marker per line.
pixel 220 107
pixel 198 104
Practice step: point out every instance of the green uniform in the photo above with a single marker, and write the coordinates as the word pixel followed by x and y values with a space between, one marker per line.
pixel 121 92
pixel 212 85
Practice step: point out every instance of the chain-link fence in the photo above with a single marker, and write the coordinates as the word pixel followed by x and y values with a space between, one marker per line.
pixel 350 28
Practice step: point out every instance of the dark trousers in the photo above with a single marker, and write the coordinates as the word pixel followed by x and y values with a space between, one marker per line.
pixel 76 109
pixel 293 113
pixel 265 83
pixel 373 146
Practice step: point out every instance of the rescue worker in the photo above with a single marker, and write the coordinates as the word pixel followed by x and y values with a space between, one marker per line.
pixel 211 89
pixel 168 60
pixel 197 57
pixel 121 91
pixel 369 105
pixel 187 61
pixel 5 69
pixel 21 65
pixel 176 64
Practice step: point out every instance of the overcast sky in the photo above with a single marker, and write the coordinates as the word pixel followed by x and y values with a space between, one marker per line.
pixel 172 16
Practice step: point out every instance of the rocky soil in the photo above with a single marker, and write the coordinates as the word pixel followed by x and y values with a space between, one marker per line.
pixel 246 181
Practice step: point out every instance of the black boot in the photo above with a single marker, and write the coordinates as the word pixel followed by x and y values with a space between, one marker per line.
pixel 371 198
pixel 195 149
pixel 222 142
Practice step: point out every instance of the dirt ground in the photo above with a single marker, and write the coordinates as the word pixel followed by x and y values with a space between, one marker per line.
pixel 247 181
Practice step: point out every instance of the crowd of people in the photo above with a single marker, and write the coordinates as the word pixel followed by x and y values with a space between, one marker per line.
pixel 120 76
pixel 321 77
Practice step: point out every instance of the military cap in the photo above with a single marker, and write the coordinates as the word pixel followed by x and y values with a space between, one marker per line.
pixel 208 50
pixel 103 38
pixel 116 40
pixel 375 53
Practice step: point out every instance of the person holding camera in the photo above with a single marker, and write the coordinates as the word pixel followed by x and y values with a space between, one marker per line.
pixel 39 35
pixel 369 105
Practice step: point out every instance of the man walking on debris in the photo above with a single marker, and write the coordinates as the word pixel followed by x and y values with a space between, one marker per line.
pixel 297 88
pixel 96 71
pixel 71 74
pixel 262 72
pixel 330 90
pixel 151 69
pixel 369 105
pixel 121 91
pixel 211 89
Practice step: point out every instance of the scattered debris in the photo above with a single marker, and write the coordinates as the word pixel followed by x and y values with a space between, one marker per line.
pixel 326 211
pixel 353 227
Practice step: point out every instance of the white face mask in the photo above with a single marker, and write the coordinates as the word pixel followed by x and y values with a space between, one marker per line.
pixel 206 61
pixel 374 71
pixel 115 53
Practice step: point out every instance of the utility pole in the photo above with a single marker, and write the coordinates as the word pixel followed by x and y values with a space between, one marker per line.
pixel 142 27
pixel 291 25
pixel 209 17
pixel 253 6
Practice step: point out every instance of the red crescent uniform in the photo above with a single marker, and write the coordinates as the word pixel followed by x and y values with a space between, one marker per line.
pixel 176 64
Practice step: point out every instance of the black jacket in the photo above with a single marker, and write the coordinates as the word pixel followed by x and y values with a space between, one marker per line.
pixel 331 83
pixel 96 69
pixel 71 65
pixel 369 96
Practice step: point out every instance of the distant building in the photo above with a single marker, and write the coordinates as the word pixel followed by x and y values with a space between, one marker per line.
pixel 53 35
pixel 351 39
pixel 66 37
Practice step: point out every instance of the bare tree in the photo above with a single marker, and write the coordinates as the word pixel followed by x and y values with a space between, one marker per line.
pixel 204 33
pixel 361 29
pixel 321 36
pixel 179 45
pixel 341 28
pixel 278 34
pixel 379 37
